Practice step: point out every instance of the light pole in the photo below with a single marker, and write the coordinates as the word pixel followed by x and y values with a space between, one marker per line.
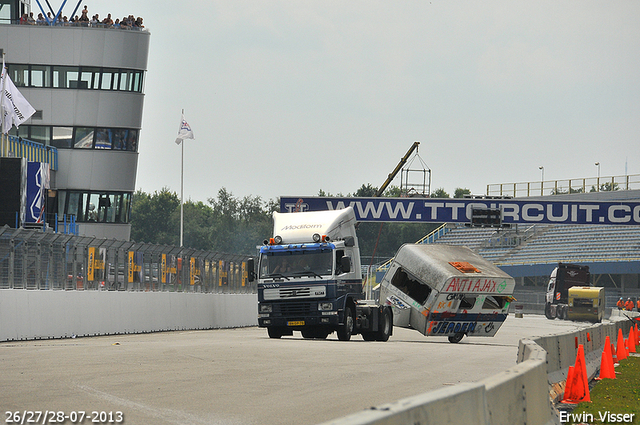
pixel 598 181
pixel 541 181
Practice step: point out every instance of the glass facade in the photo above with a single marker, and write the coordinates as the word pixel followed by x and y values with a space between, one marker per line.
pixel 76 77
pixel 95 207
pixel 123 139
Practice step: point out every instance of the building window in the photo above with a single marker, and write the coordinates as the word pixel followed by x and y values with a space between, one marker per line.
pixel 40 76
pixel 95 207
pixel 107 80
pixel 38 133
pixel 80 137
pixel 75 77
pixel 62 137
pixel 65 77
pixel 90 78
pixel 83 138
pixel 19 75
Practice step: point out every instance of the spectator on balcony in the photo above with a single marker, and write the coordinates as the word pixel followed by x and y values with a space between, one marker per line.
pixel 138 23
pixel 40 20
pixel 84 18
pixel 24 19
pixel 31 20
pixel 107 22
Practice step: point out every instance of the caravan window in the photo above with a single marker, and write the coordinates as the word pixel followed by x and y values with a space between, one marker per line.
pixel 411 287
pixel 467 302
pixel 494 302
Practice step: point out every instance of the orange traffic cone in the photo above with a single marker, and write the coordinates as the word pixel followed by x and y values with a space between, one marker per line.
pixel 569 392
pixel 577 388
pixel 607 370
pixel 632 341
pixel 621 351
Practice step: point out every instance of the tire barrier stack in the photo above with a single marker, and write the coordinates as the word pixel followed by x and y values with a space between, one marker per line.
pixel 522 394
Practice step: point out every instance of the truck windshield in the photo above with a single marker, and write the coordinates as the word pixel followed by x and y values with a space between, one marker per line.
pixel 296 263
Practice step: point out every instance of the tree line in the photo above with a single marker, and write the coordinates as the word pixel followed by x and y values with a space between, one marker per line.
pixel 237 225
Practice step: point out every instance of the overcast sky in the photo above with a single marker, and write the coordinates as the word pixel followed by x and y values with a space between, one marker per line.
pixel 290 97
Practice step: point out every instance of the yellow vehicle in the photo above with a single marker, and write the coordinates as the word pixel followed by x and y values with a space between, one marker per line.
pixel 586 303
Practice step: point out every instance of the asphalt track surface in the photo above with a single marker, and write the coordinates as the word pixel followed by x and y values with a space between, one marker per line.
pixel 240 376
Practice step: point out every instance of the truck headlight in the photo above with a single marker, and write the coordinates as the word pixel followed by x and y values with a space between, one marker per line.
pixel 266 308
pixel 325 306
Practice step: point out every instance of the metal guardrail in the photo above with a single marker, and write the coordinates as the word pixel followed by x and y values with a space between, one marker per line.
pixel 567 186
pixel 61 23
pixel 16 147
pixel 32 259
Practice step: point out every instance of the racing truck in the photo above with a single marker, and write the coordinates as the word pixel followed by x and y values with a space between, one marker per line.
pixel 583 302
pixel 310 281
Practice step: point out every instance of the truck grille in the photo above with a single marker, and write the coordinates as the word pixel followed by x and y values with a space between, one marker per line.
pixel 288 292
pixel 293 309
pixel 295 292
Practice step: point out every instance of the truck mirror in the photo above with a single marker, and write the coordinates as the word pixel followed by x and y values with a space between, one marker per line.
pixel 251 274
pixel 345 262
pixel 349 241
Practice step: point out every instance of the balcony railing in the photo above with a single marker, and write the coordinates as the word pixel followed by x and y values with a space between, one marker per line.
pixel 560 187
pixel 16 147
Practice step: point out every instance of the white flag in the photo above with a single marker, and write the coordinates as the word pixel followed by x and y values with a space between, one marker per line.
pixel 185 131
pixel 15 108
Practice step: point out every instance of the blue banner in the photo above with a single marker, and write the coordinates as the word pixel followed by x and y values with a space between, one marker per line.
pixel 37 181
pixel 438 210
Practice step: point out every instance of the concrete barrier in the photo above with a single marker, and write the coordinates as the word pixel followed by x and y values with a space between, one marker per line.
pixel 519 395
pixel 462 404
pixel 34 314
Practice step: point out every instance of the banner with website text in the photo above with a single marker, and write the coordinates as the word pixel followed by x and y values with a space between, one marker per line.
pixel 438 210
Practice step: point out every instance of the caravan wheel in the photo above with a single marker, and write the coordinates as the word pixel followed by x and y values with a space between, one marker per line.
pixel 454 339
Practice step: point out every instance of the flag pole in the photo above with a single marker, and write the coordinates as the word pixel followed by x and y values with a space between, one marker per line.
pixel 182 192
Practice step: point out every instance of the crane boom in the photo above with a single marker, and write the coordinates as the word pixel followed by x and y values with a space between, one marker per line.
pixel 397 169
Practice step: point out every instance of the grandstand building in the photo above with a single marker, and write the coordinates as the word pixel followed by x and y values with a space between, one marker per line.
pixel 86 83
pixel 529 253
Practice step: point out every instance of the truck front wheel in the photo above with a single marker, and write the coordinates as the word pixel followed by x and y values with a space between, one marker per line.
pixel 547 311
pixel 274 332
pixel 346 329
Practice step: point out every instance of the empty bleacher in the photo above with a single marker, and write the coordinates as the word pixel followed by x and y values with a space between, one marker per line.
pixel 550 243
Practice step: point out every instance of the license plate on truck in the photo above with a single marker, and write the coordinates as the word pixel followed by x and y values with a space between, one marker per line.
pixel 296 323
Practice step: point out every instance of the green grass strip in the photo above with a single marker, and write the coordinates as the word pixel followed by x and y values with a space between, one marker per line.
pixel 611 399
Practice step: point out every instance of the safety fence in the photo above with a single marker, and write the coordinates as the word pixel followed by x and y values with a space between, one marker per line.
pixel 32 259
